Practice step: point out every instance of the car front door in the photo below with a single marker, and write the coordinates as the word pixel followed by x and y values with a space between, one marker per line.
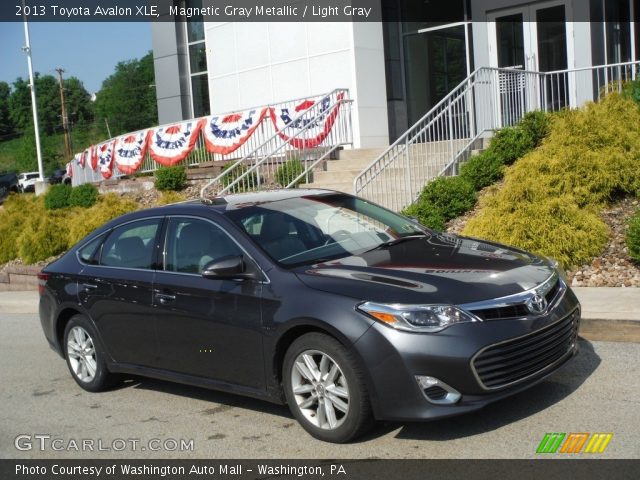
pixel 116 289
pixel 207 327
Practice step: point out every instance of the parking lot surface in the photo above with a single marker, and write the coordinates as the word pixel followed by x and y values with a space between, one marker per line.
pixel 599 391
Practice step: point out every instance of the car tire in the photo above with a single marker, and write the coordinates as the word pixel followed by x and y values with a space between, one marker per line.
pixel 330 401
pixel 85 356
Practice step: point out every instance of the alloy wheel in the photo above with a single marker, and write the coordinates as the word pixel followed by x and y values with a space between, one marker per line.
pixel 81 352
pixel 320 389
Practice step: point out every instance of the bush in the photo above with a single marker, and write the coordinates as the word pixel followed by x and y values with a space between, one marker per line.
pixel 426 214
pixel 287 172
pixel 170 197
pixel 482 170
pixel 632 90
pixel 633 236
pixel 44 236
pixel 247 183
pixel 550 200
pixel 451 196
pixel 81 222
pixel 84 196
pixel 57 197
pixel 171 178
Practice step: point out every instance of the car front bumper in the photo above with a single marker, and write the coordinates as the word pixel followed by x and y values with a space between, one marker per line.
pixel 394 358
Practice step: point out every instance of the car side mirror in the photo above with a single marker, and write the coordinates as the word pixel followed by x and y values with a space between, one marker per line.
pixel 231 267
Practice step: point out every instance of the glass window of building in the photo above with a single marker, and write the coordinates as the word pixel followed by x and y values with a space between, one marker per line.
pixel 197 52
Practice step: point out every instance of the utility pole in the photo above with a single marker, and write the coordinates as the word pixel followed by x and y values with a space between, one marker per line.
pixel 65 118
pixel 27 50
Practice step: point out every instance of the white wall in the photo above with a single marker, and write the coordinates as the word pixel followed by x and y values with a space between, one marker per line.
pixel 255 63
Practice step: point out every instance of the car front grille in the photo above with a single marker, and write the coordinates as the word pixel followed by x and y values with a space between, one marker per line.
pixel 516 360
pixel 515 311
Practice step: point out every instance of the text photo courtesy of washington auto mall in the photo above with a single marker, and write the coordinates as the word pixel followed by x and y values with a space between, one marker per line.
pixel 359 239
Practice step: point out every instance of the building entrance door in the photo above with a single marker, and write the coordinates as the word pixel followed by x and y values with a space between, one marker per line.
pixel 534 38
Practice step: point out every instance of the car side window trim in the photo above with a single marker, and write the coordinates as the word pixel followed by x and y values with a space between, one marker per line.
pixel 163 248
pixel 108 233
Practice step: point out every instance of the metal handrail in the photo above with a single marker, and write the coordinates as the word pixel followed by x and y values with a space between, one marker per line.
pixel 488 99
pixel 278 140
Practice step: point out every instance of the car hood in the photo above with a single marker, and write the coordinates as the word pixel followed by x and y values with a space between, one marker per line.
pixel 438 268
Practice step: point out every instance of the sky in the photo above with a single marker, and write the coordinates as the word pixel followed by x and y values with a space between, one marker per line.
pixel 88 51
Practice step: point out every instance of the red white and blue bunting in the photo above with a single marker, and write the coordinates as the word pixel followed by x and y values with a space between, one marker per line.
pixel 130 150
pixel 69 169
pixel 92 157
pixel 81 158
pixel 224 134
pixel 170 145
pixel 307 130
pixel 104 153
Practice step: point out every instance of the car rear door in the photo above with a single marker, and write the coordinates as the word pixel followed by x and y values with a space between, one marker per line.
pixel 208 328
pixel 117 291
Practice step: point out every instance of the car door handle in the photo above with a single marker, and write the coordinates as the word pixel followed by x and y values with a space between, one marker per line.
pixel 89 286
pixel 165 298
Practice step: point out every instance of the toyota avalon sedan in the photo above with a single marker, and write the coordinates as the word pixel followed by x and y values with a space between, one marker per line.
pixel 343 310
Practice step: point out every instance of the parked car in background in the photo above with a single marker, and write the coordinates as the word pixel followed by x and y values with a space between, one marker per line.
pixel 8 184
pixel 344 310
pixel 59 176
pixel 27 181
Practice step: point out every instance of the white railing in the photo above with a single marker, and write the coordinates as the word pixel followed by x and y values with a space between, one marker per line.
pixel 309 137
pixel 256 146
pixel 489 99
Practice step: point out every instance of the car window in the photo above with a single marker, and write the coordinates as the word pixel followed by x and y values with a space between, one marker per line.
pixel 131 245
pixel 87 252
pixel 193 243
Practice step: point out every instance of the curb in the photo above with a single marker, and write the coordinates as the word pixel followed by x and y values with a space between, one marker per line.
pixel 609 330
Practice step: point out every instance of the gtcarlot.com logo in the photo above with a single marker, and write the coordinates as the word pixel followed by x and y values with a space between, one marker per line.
pixel 574 443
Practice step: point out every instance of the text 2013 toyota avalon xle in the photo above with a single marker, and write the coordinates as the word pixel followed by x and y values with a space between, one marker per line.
pixel 344 310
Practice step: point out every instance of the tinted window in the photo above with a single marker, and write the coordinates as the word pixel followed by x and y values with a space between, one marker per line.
pixel 131 246
pixel 192 243
pixel 87 252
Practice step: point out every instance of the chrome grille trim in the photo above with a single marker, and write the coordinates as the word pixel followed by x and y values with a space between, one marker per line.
pixel 541 350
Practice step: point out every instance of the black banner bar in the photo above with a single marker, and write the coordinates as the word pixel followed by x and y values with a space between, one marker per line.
pixel 315 469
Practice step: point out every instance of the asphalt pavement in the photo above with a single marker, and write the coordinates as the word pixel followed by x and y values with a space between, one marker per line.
pixel 599 391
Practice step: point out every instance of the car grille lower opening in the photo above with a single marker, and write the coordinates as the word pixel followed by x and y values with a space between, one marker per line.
pixel 515 360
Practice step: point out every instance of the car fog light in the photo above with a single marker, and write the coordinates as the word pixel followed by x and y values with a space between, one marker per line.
pixel 436 391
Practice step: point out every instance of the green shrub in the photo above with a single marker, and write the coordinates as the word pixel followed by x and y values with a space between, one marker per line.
pixel 84 196
pixel 43 236
pixel 247 183
pixel 550 200
pixel 632 90
pixel 536 125
pixel 482 170
pixel 426 214
pixel 170 197
pixel 171 178
pixel 451 196
pixel 57 197
pixel 288 172
pixel 633 236
pixel 81 222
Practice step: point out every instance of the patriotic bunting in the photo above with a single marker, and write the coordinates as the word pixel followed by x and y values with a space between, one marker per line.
pixel 81 158
pixel 170 145
pixel 129 151
pixel 224 134
pixel 317 124
pixel 104 153
pixel 70 169
pixel 92 157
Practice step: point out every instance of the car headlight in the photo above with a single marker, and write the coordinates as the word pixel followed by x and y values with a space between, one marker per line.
pixel 417 318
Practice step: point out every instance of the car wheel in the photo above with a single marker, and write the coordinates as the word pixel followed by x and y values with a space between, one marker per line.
pixel 85 357
pixel 325 389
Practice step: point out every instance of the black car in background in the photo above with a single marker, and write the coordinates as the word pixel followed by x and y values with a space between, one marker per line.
pixel 8 184
pixel 59 176
pixel 344 310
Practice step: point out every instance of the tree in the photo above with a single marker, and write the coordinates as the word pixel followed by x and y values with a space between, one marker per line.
pixel 78 102
pixel 6 125
pixel 127 98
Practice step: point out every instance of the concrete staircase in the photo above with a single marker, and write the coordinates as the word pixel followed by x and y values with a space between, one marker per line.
pixel 339 174
pixel 425 161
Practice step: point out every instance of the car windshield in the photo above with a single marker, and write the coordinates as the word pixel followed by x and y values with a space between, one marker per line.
pixel 317 228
